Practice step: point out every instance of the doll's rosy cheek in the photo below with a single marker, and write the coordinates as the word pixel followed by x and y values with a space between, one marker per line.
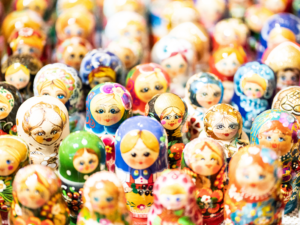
pixel 10 167
pixel 163 122
pixel 180 120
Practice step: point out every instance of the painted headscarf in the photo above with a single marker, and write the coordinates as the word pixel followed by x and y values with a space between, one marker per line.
pixel 138 106
pixel 66 74
pixel 98 58
pixel 196 82
pixel 176 177
pixel 107 89
pixel 142 123
pixel 67 150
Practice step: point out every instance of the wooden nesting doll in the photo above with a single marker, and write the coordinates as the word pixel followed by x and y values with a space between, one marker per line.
pixel 205 160
pixel 253 193
pixel 224 124
pixel 203 90
pixel 103 199
pixel 61 82
pixel 108 105
pixel 37 198
pixel 141 155
pixel 145 81
pixel 14 155
pixel 171 112
pixel 278 130
pixel 174 200
pixel 254 88
pixel 43 122
pixel 10 101
pixel 80 155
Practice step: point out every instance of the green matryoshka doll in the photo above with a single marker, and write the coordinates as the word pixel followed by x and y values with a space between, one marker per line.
pixel 80 155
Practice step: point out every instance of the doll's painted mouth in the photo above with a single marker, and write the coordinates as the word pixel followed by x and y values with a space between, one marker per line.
pixel 209 103
pixel 107 120
pixel 208 165
pixel 253 185
pixel 171 124
pixel 226 135
pixel 48 139
pixel 141 163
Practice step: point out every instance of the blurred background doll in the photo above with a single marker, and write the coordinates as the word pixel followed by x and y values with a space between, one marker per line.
pixel 39 6
pixel 276 6
pixel 237 8
pixel 65 5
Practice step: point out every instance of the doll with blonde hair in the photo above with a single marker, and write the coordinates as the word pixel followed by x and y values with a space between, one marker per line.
pixel 253 85
pixel 39 6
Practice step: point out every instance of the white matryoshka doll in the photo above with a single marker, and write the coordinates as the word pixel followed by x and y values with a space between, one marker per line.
pixel 61 82
pixel 178 57
pixel 43 122
pixel 141 155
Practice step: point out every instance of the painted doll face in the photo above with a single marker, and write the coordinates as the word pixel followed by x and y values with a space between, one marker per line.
pixel 55 92
pixel 148 86
pixel 253 90
pixel 27 49
pixel 86 163
pixel 104 202
pixel 254 179
pixel 8 163
pixel 45 134
pixel 206 162
pixel 175 65
pixel 208 95
pixel 286 78
pixel 18 79
pixel 211 11
pixel 74 30
pixel 127 57
pixel 140 157
pixel 107 113
pixel 100 80
pixel 277 141
pixel 226 129
pixel 173 201
pixel 133 32
pixel 73 56
pixel 228 66
pixel 171 120
pixel 33 196
pixel 4 110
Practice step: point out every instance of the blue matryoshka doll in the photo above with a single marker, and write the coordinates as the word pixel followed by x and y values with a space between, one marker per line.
pixel 254 88
pixel 278 130
pixel 203 90
pixel 107 106
pixel 141 154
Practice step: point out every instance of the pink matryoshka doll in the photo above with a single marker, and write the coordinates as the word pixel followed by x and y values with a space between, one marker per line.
pixel 145 81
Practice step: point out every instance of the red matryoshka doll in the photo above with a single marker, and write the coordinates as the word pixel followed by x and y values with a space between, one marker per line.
pixel 72 51
pixel 174 200
pixel 253 194
pixel 237 8
pixel 104 199
pixel 224 63
pixel 284 60
pixel 43 122
pixel 37 198
pixel 276 6
pixel 204 159
pixel 10 101
pixel 144 82
pixel 39 6
pixel 171 112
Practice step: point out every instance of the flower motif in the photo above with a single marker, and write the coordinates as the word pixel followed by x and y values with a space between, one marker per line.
pixel 8 96
pixel 228 222
pixel 105 222
pixel 108 149
pixel 55 209
pixel 141 207
pixel 235 195
pixel 2 186
pixel 227 209
pixel 26 32
pixel 205 199
pixel 274 114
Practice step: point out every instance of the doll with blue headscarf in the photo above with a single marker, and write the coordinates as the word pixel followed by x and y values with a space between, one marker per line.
pixel 141 154
pixel 107 106
pixel 278 130
pixel 254 88
pixel 203 90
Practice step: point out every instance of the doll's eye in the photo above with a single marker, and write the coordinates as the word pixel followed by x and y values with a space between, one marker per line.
pixel 220 126
pixel 114 111
pixel 181 66
pixel 20 51
pixel 68 31
pixel 96 199
pixel 202 159
pixel 31 50
pixel 246 176
pixel 127 57
pixel 178 199
pixel 72 56
pixel 100 111
pixel 257 90
pixel 224 64
pixel 283 78
pixel 2 109
pixel 168 117
pixel 144 90
pixel 91 161
pixel 37 192
pixel 217 94
pixel 177 117
pixel 232 126
pixel 261 177
pixel 234 64
pixel 81 163
pixel 60 96
pixel 133 154
pixel 81 56
pixel 146 154
pixel 168 66
pixel 109 199
pixel 40 134
pixel 249 89
pixel 281 139
pixel 269 138
pixel 8 162
pixel 293 78
pixel 158 87
pixel 96 82
pixel 212 159
pixel 204 94
pixel 54 132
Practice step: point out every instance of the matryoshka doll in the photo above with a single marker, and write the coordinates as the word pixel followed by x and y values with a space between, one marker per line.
pixel 80 155
pixel 43 122
pixel 37 198
pixel 100 66
pixel 61 82
pixel 254 88
pixel 253 193
pixel 224 63
pixel 171 112
pixel 72 51
pixel 204 159
pixel 178 58
pixel 237 8
pixel 141 155
pixel 276 6
pixel 103 199
pixel 174 200
pixel 14 155
pixel 284 60
pixel 10 101
pixel 107 106
pixel 203 90
pixel 39 6
pixel 144 82
pixel 224 124
pixel 278 130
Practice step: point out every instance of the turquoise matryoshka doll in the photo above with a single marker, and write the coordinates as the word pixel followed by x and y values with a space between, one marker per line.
pixel 80 155
pixel 107 106
pixel 141 154
pixel 278 130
